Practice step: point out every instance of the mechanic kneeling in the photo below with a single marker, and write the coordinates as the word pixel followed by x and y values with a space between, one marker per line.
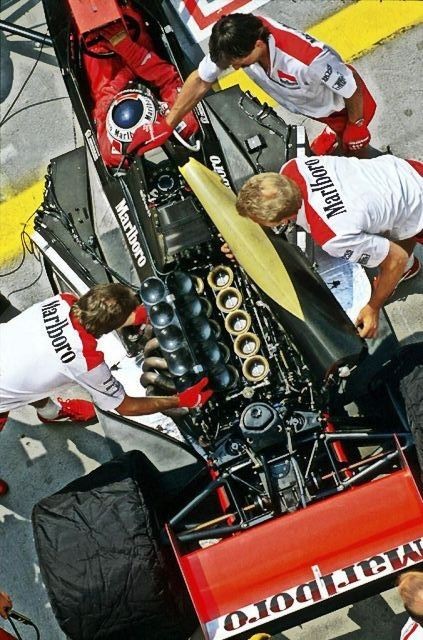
pixel 54 343
pixel 126 114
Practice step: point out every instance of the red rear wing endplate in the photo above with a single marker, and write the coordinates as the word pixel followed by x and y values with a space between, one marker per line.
pixel 299 559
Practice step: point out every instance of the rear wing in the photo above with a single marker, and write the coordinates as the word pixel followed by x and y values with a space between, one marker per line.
pixel 274 573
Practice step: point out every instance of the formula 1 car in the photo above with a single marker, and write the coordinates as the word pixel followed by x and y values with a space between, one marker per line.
pixel 296 489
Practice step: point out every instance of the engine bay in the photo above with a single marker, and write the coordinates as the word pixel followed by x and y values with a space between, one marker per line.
pixel 275 437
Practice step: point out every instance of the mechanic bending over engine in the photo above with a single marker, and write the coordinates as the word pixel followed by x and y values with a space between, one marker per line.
pixel 410 589
pixel 302 74
pixel 125 115
pixel 54 343
pixel 365 211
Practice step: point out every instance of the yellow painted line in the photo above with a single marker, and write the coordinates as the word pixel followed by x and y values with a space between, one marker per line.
pixel 13 215
pixel 360 27
pixel 352 32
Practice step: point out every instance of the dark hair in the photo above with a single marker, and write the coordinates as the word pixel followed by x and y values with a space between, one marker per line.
pixel 104 308
pixel 234 36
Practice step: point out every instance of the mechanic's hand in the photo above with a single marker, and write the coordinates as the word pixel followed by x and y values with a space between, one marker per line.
pixel 367 322
pixel 169 92
pixel 5 604
pixel 150 136
pixel 188 126
pixel 196 395
pixel 225 248
pixel 356 135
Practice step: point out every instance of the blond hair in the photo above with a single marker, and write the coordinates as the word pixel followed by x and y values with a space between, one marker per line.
pixel 410 587
pixel 104 308
pixel 268 197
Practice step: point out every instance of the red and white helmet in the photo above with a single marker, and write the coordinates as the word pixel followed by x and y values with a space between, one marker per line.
pixel 131 109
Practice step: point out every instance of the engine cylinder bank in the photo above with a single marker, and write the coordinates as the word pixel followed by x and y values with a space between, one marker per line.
pixel 229 299
pixel 170 337
pixel 161 314
pixel 198 285
pixel 216 328
pixel 152 290
pixel 237 322
pixel 255 368
pixel 223 377
pixel 179 361
pixel 200 327
pixel 224 350
pixel 220 277
pixel 247 344
pixel 170 306
pixel 179 283
pixel 209 352
pixel 206 306
pixel 189 306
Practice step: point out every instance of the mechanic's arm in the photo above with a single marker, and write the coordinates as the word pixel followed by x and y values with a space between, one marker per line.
pixel 193 90
pixel 354 104
pixel 390 271
pixel 345 82
pixel 194 396
pixel 144 406
pixel 5 604
pixel 356 134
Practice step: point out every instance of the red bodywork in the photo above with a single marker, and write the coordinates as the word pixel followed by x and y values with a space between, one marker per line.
pixel 297 560
pixel 90 15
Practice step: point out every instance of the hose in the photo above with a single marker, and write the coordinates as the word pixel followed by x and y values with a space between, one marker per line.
pixel 154 362
pixel 154 377
pixel 151 345
pixel 158 380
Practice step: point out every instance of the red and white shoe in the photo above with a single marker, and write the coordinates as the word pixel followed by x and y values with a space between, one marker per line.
pixel 412 271
pixel 325 143
pixel 4 488
pixel 72 411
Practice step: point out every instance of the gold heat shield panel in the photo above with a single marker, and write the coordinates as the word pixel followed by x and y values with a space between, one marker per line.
pixel 250 245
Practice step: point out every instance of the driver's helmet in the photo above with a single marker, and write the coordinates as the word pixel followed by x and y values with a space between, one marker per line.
pixel 131 109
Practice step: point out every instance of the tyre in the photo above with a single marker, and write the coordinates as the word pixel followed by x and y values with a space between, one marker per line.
pixel 108 573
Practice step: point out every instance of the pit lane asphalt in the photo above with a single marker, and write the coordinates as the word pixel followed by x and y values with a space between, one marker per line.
pixel 38 461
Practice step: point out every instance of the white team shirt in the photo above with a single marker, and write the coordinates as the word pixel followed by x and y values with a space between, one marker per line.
pixel 352 207
pixel 43 349
pixel 411 631
pixel 306 76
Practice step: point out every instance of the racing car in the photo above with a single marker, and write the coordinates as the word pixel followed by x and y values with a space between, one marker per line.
pixel 297 488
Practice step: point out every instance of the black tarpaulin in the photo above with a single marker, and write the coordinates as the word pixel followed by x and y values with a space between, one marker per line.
pixel 97 545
